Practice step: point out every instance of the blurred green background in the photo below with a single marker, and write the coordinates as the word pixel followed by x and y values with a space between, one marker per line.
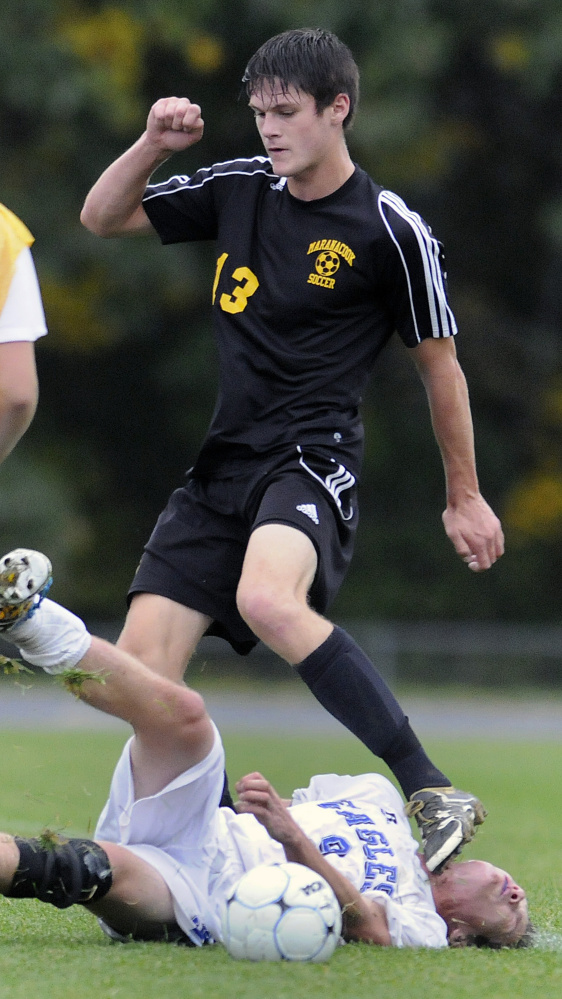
pixel 460 113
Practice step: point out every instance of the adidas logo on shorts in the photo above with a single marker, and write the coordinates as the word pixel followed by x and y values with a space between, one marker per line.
pixel 309 510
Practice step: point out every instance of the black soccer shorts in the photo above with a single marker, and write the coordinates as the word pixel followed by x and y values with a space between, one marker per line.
pixel 195 553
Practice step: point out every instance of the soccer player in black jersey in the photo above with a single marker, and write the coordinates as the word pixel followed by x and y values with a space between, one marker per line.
pixel 317 266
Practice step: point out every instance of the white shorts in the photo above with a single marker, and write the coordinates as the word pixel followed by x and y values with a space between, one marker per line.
pixel 176 832
pixel 22 317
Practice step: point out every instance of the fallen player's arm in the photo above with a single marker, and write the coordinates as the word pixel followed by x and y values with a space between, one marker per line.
pixel 363 919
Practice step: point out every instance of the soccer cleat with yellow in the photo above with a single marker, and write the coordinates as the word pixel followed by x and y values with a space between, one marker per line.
pixel 25 577
pixel 446 819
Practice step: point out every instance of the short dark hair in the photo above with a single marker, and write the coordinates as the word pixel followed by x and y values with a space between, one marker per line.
pixel 313 61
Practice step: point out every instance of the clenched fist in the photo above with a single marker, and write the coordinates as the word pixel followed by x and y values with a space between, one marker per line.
pixel 174 123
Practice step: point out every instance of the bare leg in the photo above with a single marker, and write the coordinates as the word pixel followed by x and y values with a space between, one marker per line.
pixel 277 574
pixel 139 901
pixel 162 634
pixel 9 860
pixel 173 731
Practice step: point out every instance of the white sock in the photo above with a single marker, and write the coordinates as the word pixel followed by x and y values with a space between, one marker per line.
pixel 53 638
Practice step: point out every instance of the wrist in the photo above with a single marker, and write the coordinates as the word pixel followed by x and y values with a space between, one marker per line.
pixel 152 151
pixel 461 497
pixel 295 843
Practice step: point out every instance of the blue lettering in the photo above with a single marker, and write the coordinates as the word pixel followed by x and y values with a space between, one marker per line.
pixel 334 844
pixel 372 851
pixel 336 804
pixel 372 870
pixel 355 820
pixel 389 816
pixel 371 836
pixel 201 931
pixel 385 888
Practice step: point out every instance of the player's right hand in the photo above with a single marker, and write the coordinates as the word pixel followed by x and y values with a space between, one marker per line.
pixel 258 797
pixel 174 123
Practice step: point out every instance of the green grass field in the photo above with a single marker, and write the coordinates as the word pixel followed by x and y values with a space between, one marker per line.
pixel 59 781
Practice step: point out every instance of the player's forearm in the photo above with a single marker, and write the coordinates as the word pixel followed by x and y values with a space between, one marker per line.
pixel 14 421
pixel 469 521
pixel 362 920
pixel 451 418
pixel 113 207
pixel 453 429
pixel 18 393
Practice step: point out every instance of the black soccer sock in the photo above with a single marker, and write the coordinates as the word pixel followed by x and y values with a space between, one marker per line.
pixel 346 683
pixel 410 764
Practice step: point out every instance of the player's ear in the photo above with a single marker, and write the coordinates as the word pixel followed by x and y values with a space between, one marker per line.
pixel 340 108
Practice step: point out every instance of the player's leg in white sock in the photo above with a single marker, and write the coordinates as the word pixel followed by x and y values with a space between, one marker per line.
pixel 54 638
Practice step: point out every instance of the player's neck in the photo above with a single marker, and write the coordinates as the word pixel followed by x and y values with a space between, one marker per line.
pixel 322 179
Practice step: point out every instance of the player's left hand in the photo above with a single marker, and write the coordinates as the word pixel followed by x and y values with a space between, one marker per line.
pixel 258 797
pixel 475 531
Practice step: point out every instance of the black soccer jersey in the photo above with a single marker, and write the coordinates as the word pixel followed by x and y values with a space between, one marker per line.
pixel 305 295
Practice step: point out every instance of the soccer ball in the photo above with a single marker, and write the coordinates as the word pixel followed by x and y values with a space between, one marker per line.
pixel 281 912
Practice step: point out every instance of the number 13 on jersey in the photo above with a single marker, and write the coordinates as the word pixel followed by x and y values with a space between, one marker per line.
pixel 238 300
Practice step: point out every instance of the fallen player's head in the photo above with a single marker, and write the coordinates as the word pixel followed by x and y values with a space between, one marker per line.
pixel 482 905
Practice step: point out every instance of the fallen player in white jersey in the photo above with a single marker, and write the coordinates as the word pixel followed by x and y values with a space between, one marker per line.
pixel 165 856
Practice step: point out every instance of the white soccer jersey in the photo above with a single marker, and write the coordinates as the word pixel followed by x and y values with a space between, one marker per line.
pixel 370 841
pixel 358 824
pixel 22 317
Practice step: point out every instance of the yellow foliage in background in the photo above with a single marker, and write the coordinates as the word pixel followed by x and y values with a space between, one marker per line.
pixel 511 52
pixel 205 54
pixel 430 154
pixel 534 507
pixel 110 42
pixel 71 313
pixel 553 405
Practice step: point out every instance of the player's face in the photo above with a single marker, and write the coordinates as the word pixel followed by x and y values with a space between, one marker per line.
pixel 489 901
pixel 297 138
